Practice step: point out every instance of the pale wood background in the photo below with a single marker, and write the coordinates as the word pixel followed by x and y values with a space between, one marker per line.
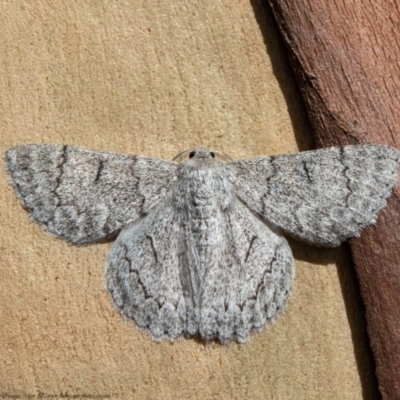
pixel 157 78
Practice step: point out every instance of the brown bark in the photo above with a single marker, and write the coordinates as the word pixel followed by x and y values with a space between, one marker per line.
pixel 346 57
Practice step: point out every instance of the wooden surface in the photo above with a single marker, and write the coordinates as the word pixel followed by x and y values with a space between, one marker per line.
pixel 156 79
pixel 346 59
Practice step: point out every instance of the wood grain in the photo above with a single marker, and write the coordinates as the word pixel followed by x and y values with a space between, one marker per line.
pixel 345 55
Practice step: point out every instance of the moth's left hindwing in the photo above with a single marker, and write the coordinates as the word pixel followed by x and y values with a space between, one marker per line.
pixel 83 195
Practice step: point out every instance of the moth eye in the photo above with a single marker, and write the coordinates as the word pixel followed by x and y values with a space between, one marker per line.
pixel 192 154
pixel 212 154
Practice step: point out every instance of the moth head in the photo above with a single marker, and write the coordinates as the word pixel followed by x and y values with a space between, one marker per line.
pixel 201 153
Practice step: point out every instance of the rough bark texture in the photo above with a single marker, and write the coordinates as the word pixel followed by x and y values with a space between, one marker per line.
pixel 345 55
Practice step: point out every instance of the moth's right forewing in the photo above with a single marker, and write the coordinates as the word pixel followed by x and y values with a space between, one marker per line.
pixel 323 196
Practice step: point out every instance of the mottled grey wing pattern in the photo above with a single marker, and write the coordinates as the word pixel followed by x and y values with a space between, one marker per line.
pixel 199 250
pixel 323 196
pixel 153 275
pixel 83 195
pixel 143 275
pixel 250 280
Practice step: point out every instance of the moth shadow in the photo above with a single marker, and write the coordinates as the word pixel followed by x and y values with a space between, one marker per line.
pixel 312 254
pixel 355 309
pixel 275 48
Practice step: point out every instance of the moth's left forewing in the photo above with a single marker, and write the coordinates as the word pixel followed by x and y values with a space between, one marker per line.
pixel 323 196
pixel 83 195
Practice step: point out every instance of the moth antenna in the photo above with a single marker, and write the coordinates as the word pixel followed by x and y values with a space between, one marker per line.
pixel 182 154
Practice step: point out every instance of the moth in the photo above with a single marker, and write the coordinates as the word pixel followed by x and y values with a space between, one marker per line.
pixel 199 247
